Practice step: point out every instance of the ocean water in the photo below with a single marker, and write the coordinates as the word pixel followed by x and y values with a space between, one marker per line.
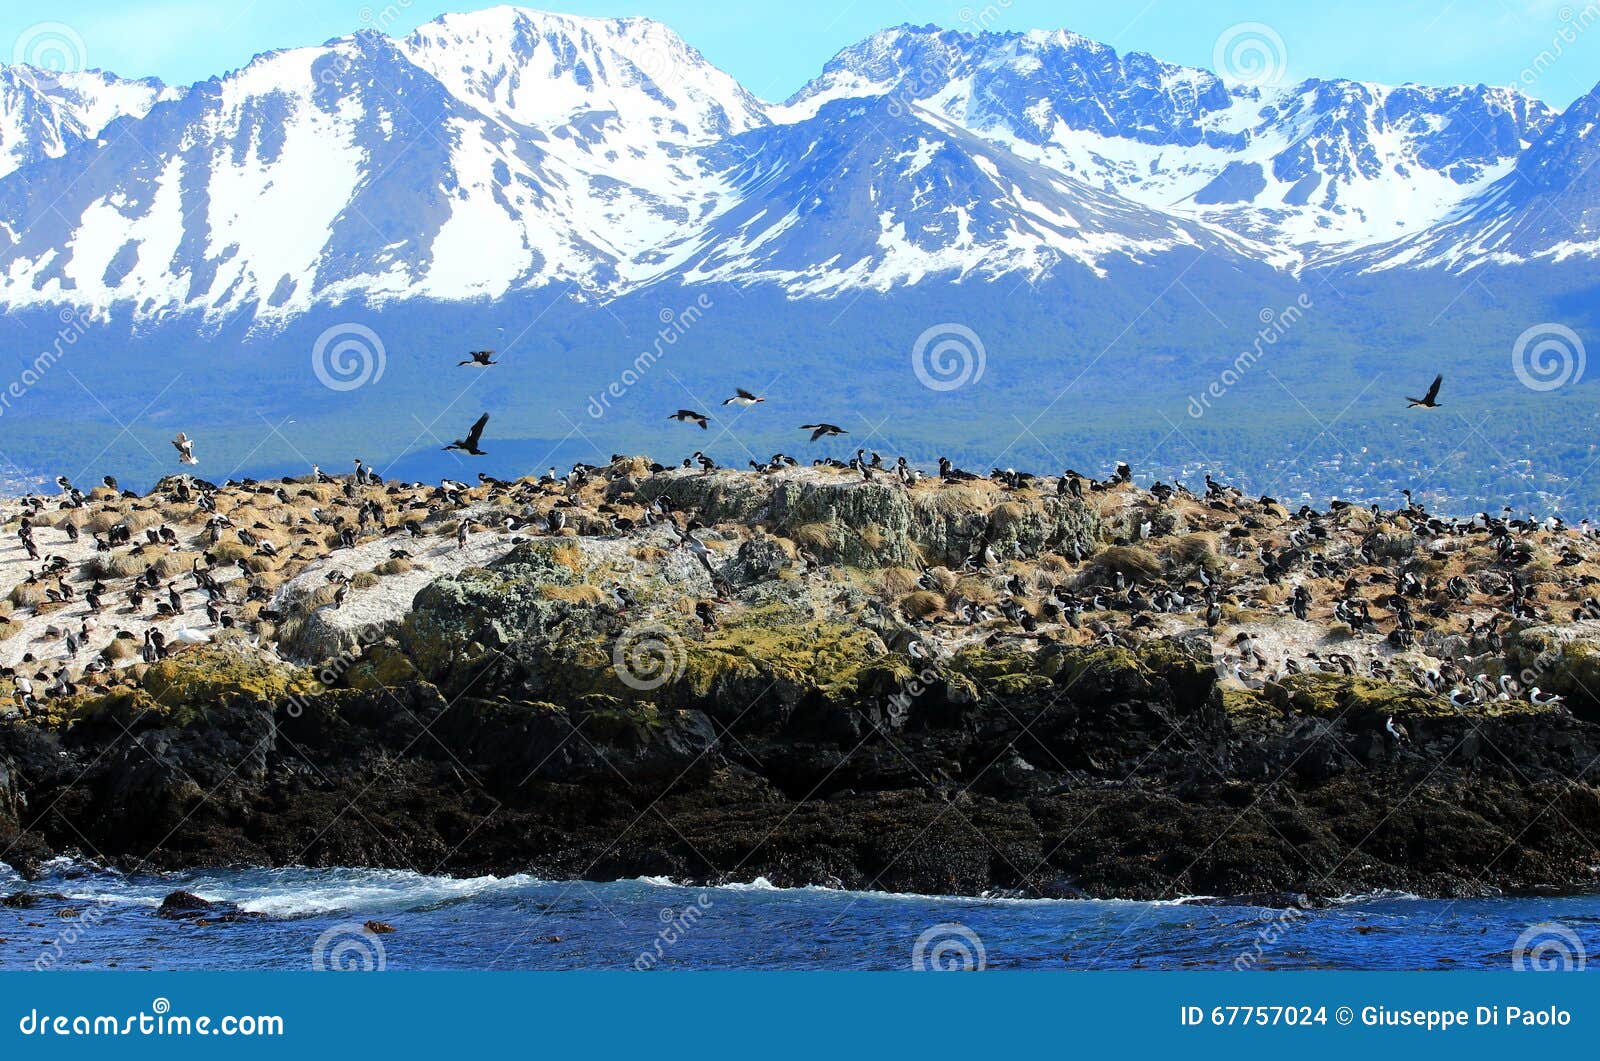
pixel 316 918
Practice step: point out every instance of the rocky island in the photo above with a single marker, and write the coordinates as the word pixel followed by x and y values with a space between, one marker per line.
pixel 845 674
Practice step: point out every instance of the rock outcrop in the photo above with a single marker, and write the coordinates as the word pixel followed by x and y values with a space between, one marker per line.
pixel 835 680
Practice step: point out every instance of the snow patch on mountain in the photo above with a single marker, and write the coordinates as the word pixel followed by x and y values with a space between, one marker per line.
pixel 508 150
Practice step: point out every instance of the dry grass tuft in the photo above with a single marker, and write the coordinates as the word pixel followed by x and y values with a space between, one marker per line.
pixel 320 597
pixel 140 519
pixel 814 535
pixel 873 537
pixel 899 580
pixel 1194 551
pixel 1134 562
pixel 171 565
pixel 976 590
pixel 229 552
pixel 582 594
pixel 1008 514
pixel 1054 564
pixel 922 604
pixel 120 648
pixel 946 579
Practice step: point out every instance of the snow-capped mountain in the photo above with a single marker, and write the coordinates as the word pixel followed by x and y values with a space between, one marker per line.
pixel 511 150
pixel 43 115
pixel 1547 207
pixel 865 194
pixel 485 153
pixel 1321 166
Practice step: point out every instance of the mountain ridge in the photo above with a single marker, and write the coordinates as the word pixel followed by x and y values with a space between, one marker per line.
pixel 510 149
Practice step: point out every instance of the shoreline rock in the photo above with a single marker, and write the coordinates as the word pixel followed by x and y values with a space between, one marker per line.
pixel 852 684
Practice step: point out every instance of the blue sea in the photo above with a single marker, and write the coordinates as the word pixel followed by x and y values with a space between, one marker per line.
pixel 85 918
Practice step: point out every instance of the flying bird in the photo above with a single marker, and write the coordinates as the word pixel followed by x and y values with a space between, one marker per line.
pixel 1429 401
pixel 684 416
pixel 743 397
pixel 470 443
pixel 479 359
pixel 822 430
pixel 185 447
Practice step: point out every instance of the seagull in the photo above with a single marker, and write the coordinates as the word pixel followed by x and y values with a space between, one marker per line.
pixel 684 416
pixel 479 359
pixel 185 447
pixel 742 397
pixel 1544 699
pixel 821 430
pixel 470 443
pixel 1429 401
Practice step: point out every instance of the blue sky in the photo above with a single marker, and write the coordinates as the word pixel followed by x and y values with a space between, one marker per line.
pixel 774 47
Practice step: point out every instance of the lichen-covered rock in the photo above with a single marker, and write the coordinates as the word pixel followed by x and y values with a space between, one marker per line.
pixel 879 523
pixel 463 617
pixel 1366 700
pixel 1562 659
